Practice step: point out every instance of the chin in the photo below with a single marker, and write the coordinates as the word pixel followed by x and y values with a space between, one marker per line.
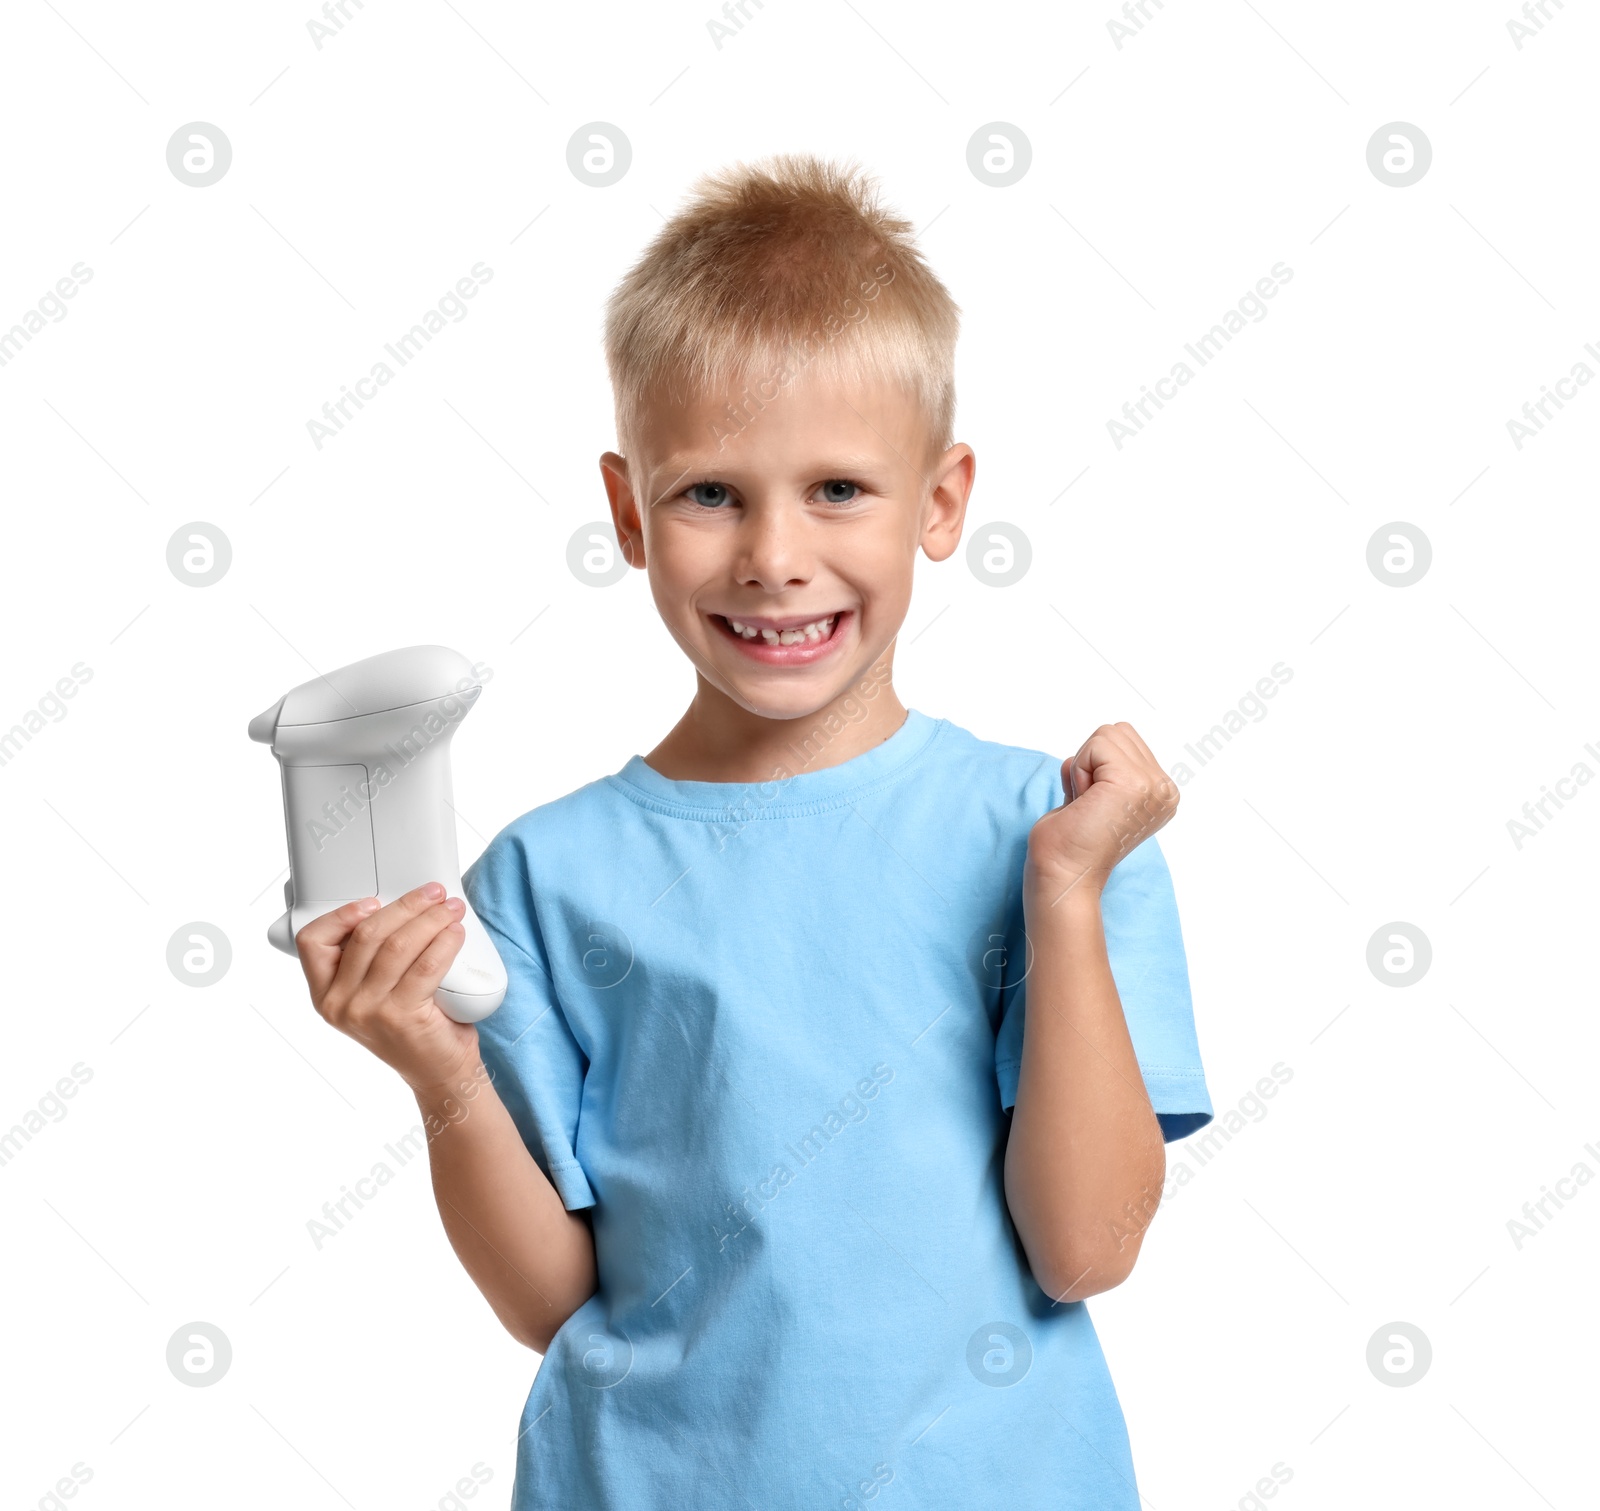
pixel 783 704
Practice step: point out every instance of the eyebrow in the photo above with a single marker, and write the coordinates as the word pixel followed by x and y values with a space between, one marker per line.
pixel 682 466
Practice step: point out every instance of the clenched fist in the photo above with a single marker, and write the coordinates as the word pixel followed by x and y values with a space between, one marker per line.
pixel 1117 797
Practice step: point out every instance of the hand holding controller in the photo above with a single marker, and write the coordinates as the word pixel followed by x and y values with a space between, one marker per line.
pixel 374 972
pixel 365 756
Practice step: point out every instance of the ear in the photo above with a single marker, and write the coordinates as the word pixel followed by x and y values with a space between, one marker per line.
pixel 625 517
pixel 952 476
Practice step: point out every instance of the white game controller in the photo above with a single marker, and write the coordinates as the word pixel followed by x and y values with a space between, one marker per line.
pixel 365 753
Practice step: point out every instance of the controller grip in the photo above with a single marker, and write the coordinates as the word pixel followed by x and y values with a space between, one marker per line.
pixel 473 987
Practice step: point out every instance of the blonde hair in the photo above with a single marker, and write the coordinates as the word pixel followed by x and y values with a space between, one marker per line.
pixel 767 269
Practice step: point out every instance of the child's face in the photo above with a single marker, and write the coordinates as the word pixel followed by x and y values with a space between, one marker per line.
pixel 811 515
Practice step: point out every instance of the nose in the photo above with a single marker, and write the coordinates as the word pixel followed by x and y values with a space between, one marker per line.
pixel 773 547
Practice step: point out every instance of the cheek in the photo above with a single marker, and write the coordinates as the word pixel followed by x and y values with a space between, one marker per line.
pixel 879 573
pixel 672 582
pixel 678 559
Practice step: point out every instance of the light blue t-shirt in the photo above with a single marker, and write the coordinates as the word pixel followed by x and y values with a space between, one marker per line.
pixel 768 1033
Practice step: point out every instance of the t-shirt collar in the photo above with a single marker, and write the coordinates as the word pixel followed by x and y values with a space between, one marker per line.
pixel 794 789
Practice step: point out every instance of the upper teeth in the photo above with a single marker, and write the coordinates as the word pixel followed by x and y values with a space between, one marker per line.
pixel 816 630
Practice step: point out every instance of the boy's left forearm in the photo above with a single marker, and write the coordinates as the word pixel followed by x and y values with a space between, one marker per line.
pixel 1086 1160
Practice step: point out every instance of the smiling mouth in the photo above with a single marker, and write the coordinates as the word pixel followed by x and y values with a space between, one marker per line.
pixel 783 641
pixel 811 631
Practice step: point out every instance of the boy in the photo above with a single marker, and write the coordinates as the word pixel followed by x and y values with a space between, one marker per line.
pixel 757 1151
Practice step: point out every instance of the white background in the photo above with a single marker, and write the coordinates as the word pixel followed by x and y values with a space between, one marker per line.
pixel 1231 534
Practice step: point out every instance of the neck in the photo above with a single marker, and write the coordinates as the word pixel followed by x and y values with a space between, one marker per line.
pixel 718 740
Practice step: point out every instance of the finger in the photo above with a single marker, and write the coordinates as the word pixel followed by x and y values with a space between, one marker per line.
pixel 1078 771
pixel 422 979
pixel 1157 791
pixel 1093 757
pixel 1164 790
pixel 394 957
pixel 1136 747
pixel 367 935
pixel 319 943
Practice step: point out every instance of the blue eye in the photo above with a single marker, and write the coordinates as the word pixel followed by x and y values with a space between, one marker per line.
pixel 708 495
pixel 831 495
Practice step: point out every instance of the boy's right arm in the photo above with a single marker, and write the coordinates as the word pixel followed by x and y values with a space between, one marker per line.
pixel 372 972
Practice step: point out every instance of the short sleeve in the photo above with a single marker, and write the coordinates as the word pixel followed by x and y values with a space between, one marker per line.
pixel 1144 944
pixel 527 1045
